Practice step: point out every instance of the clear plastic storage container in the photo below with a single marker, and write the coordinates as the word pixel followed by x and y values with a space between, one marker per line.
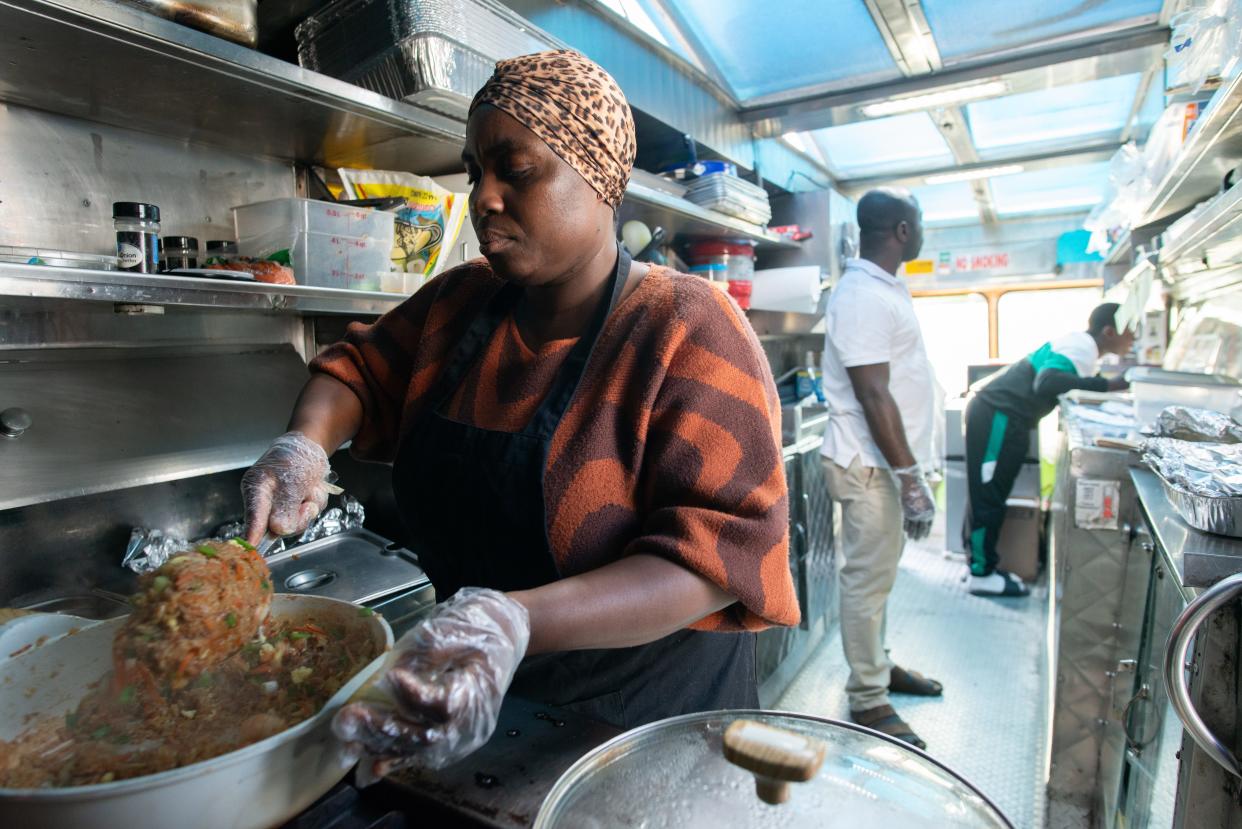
pixel 1155 388
pixel 329 245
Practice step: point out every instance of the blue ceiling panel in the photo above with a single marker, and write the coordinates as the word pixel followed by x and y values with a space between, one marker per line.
pixel 970 27
pixel 883 145
pixel 1055 190
pixel 763 48
pixel 1056 114
pixel 946 202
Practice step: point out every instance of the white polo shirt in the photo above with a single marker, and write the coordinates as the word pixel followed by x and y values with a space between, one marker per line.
pixel 870 319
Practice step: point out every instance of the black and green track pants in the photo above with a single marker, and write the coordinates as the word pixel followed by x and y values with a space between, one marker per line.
pixel 996 446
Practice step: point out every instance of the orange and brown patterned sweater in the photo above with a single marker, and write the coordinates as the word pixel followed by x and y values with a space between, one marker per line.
pixel 671 445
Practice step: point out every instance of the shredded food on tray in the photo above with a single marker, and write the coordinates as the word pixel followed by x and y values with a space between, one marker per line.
pixel 157 711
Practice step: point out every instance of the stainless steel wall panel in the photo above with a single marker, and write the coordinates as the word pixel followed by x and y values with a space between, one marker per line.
pixel 106 419
pixel 61 176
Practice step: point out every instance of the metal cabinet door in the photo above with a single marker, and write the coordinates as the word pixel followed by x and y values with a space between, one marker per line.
pixel 1153 732
pixel 819 562
pixel 776 644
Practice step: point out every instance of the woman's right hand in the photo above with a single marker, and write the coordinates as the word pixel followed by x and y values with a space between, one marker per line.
pixel 440 697
pixel 286 488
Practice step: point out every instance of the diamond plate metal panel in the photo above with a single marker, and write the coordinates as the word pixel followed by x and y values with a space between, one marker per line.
pixel 1101 580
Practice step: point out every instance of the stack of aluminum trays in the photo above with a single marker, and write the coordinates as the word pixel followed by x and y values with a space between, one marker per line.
pixel 732 196
pixel 434 53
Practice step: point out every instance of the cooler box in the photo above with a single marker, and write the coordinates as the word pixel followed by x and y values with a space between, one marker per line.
pixel 1018 545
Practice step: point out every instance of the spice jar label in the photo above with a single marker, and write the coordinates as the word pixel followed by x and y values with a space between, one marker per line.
pixel 130 256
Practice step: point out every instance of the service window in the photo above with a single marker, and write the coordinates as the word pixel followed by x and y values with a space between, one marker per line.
pixel 1028 319
pixel 955 330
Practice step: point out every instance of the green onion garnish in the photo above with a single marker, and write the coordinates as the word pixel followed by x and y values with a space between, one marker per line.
pixel 231 620
pixel 207 551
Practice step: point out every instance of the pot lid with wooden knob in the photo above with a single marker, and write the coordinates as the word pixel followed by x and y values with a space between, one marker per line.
pixel 761 769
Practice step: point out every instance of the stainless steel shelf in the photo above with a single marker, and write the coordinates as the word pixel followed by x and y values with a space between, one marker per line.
pixel 39 281
pixel 1213 238
pixel 106 62
pixel 1213 147
pixel 1119 251
pixel 680 217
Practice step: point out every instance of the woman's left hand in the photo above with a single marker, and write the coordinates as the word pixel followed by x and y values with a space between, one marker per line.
pixel 440 697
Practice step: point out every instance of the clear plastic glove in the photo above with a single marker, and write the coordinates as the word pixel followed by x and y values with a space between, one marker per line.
pixel 286 488
pixel 918 507
pixel 439 698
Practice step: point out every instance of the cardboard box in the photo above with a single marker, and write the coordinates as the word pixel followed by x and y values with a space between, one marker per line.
pixel 1018 545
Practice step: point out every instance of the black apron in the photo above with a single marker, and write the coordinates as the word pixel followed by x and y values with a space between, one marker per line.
pixel 472 500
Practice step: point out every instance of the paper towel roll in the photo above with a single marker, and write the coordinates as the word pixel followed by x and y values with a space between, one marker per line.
pixel 787 289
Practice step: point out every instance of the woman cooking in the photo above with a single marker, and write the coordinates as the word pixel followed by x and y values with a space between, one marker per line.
pixel 586 450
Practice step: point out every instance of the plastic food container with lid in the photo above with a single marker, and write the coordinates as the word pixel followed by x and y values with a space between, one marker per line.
pixel 735 259
pixel 329 245
pixel 1155 388
pixel 761 769
pixel 53 258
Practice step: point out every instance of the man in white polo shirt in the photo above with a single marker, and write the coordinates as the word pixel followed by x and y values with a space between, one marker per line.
pixel 880 393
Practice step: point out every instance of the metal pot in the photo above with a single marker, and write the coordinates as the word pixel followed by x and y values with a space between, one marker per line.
pixel 261 785
pixel 738 769
pixel 235 20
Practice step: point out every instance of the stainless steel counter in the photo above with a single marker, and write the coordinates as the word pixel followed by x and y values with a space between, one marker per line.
pixel 1197 559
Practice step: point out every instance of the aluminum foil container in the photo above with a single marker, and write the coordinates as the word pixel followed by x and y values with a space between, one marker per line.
pixel 1197 425
pixel 1222 516
pixel 1212 470
pixel 435 53
pixel 732 196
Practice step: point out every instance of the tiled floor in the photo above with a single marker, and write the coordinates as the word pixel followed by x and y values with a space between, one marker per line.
pixel 989 653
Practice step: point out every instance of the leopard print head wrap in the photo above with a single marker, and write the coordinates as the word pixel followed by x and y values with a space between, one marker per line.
pixel 576 108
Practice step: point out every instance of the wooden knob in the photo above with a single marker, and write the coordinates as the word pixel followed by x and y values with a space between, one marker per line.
pixel 775 756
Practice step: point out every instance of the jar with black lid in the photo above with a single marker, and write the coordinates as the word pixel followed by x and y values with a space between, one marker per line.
pixel 137 236
pixel 219 251
pixel 179 252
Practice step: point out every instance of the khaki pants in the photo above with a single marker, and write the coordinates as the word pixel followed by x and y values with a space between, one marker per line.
pixel 871 543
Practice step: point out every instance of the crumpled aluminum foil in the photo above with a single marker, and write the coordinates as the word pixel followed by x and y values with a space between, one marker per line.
pixel 348 516
pixel 1198 425
pixel 149 548
pixel 1210 470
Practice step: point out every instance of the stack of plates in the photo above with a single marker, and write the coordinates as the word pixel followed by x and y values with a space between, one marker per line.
pixel 732 196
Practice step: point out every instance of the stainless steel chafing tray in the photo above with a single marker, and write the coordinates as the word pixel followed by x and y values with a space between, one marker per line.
pixel 354 566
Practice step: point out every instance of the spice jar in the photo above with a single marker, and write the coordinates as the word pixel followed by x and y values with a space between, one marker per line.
pixel 179 252
pixel 220 251
pixel 137 236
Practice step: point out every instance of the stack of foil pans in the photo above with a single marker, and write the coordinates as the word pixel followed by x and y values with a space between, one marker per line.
pixel 732 196
pixel 434 53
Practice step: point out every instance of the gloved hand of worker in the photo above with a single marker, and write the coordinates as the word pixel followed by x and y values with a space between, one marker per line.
pixel 440 696
pixel 286 488
pixel 918 507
